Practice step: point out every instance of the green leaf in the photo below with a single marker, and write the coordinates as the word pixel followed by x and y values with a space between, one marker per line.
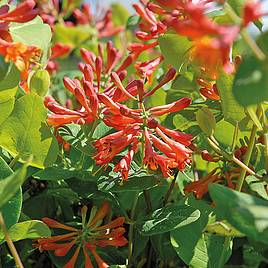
pixel 76 137
pixel 185 238
pixel 223 228
pixel 251 82
pixel 40 82
pixel 120 14
pixel 134 183
pixel 9 84
pixel 6 108
pixel 224 133
pixel 11 210
pixel 31 229
pixel 257 186
pixel 206 121
pixel 56 173
pixel 10 185
pixel 210 251
pixel 233 112
pixel 73 36
pixel 169 218
pixel 246 213
pixel 25 133
pixel 33 33
pixel 132 22
pixel 174 49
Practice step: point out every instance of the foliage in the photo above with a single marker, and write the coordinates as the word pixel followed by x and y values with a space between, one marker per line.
pixel 133 140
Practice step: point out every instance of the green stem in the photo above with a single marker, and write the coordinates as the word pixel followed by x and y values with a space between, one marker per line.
pixel 170 189
pixel 265 128
pixel 10 243
pixel 14 161
pixel 131 229
pixel 251 144
pixel 230 157
pixel 247 38
pixel 147 201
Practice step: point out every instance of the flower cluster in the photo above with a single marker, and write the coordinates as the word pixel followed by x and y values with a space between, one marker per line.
pixel 211 42
pixel 21 55
pixel 87 238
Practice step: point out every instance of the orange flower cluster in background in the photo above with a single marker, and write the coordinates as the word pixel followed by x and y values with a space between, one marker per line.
pixel 87 238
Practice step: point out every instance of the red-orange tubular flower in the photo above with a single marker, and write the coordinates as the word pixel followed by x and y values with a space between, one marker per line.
pixel 88 238
pixel 151 27
pixel 105 26
pixel 252 11
pixel 85 94
pixel 200 187
pixel 163 148
pixel 21 55
pixel 21 13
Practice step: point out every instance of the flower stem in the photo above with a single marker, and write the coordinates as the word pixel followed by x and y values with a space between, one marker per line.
pixel 10 243
pixel 131 229
pixel 265 129
pixel 170 189
pixel 14 161
pixel 247 38
pixel 230 157
pixel 147 201
pixel 251 144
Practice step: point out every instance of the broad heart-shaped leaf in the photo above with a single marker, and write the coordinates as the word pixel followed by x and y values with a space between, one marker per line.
pixel 209 251
pixel 251 82
pixel 169 218
pixel 40 82
pixel 206 121
pixel 57 173
pixel 174 48
pixel 9 84
pixel 6 108
pixel 246 213
pixel 233 112
pixel 31 229
pixel 33 33
pixel 192 245
pixel 134 183
pixel 25 133
pixel 10 185
pixel 72 36
pixel 11 209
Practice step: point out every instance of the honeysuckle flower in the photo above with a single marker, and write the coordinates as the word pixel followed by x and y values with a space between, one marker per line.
pixel 106 27
pixel 23 12
pixel 88 237
pixel 208 89
pixel 83 15
pixel 252 11
pixel 146 69
pixel 21 55
pixel 85 95
pixel 200 187
pixel 100 65
pixel 164 148
pixel 150 27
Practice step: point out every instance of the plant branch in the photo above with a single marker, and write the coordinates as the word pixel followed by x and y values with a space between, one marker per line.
pixel 10 243
pixel 251 144
pixel 131 229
